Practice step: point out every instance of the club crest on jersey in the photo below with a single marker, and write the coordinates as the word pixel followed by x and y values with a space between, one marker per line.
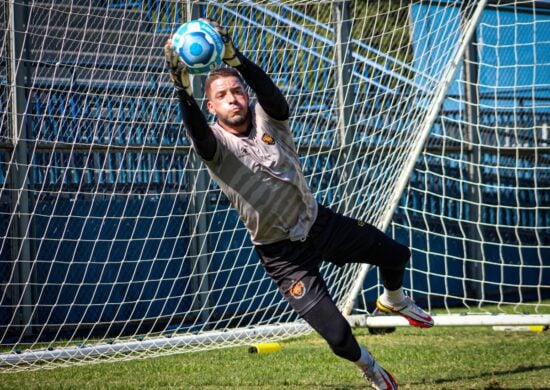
pixel 268 140
pixel 297 289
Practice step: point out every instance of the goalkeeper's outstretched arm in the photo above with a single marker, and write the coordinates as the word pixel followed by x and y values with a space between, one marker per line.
pixel 197 126
pixel 195 122
pixel 269 95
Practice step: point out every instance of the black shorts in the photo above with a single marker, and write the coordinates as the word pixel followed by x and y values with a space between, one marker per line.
pixel 294 265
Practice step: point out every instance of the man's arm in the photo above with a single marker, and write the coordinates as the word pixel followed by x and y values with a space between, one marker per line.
pixel 269 95
pixel 196 124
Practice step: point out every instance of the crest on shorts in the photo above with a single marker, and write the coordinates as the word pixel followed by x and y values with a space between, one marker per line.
pixel 297 289
pixel 360 223
pixel 268 140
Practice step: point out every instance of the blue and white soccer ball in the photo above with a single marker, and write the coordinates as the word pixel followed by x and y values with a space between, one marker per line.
pixel 199 46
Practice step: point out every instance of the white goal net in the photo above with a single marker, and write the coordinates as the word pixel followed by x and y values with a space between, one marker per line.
pixel 428 119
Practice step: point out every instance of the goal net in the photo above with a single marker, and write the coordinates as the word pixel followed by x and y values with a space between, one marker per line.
pixel 427 119
pixel 475 211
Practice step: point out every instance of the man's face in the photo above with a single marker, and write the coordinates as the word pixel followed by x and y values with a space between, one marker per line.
pixel 228 100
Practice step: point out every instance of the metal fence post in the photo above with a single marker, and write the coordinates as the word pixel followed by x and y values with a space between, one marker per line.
pixel 473 246
pixel 198 202
pixel 16 180
pixel 343 69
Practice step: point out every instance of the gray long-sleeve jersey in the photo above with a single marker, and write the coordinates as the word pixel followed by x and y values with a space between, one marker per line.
pixel 259 172
pixel 261 175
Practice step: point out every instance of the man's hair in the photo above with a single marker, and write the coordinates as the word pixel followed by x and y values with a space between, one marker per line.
pixel 221 73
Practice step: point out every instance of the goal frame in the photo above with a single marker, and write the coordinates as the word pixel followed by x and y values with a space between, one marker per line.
pixel 198 241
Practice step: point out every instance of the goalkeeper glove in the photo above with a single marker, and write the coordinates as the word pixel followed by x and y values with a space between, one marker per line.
pixel 177 69
pixel 230 54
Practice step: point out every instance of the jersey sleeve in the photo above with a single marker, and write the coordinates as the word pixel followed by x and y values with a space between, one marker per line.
pixel 199 131
pixel 268 94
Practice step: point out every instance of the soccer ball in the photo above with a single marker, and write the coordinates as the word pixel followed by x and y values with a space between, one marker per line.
pixel 199 46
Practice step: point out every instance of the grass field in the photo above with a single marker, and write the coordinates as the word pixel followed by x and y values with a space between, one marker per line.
pixel 437 358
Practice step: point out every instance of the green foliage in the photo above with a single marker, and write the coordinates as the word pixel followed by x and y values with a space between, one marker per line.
pixel 383 25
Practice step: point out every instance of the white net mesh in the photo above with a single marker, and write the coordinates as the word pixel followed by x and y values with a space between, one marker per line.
pixel 114 238
pixel 476 210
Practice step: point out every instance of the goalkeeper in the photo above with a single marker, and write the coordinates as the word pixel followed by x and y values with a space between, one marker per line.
pixel 250 153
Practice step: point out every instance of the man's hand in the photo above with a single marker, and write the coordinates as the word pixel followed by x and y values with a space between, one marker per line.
pixel 230 56
pixel 177 69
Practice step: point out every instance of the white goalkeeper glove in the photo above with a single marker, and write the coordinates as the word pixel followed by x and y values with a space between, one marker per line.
pixel 230 55
pixel 179 74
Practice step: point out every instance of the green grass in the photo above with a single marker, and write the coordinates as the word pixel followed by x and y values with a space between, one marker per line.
pixel 438 358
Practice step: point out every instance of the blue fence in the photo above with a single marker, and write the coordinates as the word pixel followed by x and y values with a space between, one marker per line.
pixel 106 289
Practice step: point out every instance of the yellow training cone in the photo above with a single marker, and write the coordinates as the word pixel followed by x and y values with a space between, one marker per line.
pixel 265 348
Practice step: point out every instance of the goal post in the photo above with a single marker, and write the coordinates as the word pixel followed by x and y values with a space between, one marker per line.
pixel 428 119
pixel 474 211
pixel 445 80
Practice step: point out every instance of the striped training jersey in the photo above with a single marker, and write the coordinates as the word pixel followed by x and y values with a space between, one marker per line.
pixel 261 175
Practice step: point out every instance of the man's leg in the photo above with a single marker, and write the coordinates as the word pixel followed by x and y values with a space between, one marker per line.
pixel 347 240
pixel 393 300
pixel 343 240
pixel 327 320
pixel 293 266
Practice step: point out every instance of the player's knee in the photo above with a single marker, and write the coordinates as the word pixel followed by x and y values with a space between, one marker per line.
pixel 338 341
pixel 327 320
pixel 397 257
pixel 388 253
pixel 403 254
pixel 342 342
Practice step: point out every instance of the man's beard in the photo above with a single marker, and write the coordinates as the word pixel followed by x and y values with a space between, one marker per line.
pixel 236 120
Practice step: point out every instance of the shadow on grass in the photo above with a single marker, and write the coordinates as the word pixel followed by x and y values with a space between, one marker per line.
pixel 491 374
